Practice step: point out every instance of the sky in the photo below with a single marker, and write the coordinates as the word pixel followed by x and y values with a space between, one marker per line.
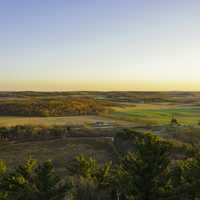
pixel 48 45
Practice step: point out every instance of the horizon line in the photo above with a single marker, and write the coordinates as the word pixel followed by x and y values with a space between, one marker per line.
pixel 61 91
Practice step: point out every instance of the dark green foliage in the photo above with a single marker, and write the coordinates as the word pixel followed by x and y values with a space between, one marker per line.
pixel 144 172
pixel 34 182
pixel 174 121
pixel 48 184
pixel 186 179
pixel 125 141
pixel 3 169
pixel 93 180
pixel 140 174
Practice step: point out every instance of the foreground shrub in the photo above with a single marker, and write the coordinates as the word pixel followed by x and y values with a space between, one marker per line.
pixel 33 181
pixel 144 172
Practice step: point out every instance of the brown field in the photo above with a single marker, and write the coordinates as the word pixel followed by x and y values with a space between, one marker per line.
pixel 51 121
pixel 61 151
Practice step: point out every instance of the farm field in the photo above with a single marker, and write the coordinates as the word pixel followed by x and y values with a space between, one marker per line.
pixel 132 115
pixel 51 121
pixel 158 114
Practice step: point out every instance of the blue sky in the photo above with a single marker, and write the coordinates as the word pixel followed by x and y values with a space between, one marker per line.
pixel 99 45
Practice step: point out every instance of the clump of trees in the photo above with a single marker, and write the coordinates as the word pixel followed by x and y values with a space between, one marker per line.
pixel 146 171
pixel 52 107
pixel 174 122
pixel 32 181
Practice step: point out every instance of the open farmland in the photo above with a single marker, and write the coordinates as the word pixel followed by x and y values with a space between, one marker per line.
pixel 158 114
pixel 79 108
pixel 58 121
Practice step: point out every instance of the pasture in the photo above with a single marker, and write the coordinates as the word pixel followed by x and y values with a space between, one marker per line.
pixel 158 114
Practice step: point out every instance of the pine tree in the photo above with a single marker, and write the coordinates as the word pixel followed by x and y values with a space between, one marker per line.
pixel 145 171
pixel 48 185
pixel 34 182
pixel 186 179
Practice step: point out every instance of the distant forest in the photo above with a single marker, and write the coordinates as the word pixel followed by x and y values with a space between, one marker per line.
pixel 52 107
pixel 43 104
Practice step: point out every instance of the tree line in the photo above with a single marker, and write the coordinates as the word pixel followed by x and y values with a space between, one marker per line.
pixel 31 133
pixel 146 170
pixel 52 107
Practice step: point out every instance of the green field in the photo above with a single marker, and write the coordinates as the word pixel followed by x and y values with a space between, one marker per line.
pixel 158 114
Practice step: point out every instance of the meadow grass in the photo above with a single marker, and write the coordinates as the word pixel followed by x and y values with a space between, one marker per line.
pixel 60 151
pixel 153 114
pixel 51 121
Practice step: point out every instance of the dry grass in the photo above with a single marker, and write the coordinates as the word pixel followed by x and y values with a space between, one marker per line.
pixel 50 121
pixel 60 151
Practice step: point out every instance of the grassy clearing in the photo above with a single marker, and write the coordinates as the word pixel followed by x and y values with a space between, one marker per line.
pixel 50 121
pixel 60 151
pixel 158 114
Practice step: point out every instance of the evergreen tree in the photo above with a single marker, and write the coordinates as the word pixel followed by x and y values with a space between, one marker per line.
pixel 186 179
pixel 48 185
pixel 34 182
pixel 145 171
pixel 3 169
pixel 93 179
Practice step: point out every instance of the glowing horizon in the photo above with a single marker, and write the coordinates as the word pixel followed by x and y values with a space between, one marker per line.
pixel 102 45
pixel 114 86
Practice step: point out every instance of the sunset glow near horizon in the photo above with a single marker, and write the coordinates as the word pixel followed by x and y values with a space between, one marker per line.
pixel 100 45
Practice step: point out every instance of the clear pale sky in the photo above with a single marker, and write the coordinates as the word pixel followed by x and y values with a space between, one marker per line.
pixel 99 45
